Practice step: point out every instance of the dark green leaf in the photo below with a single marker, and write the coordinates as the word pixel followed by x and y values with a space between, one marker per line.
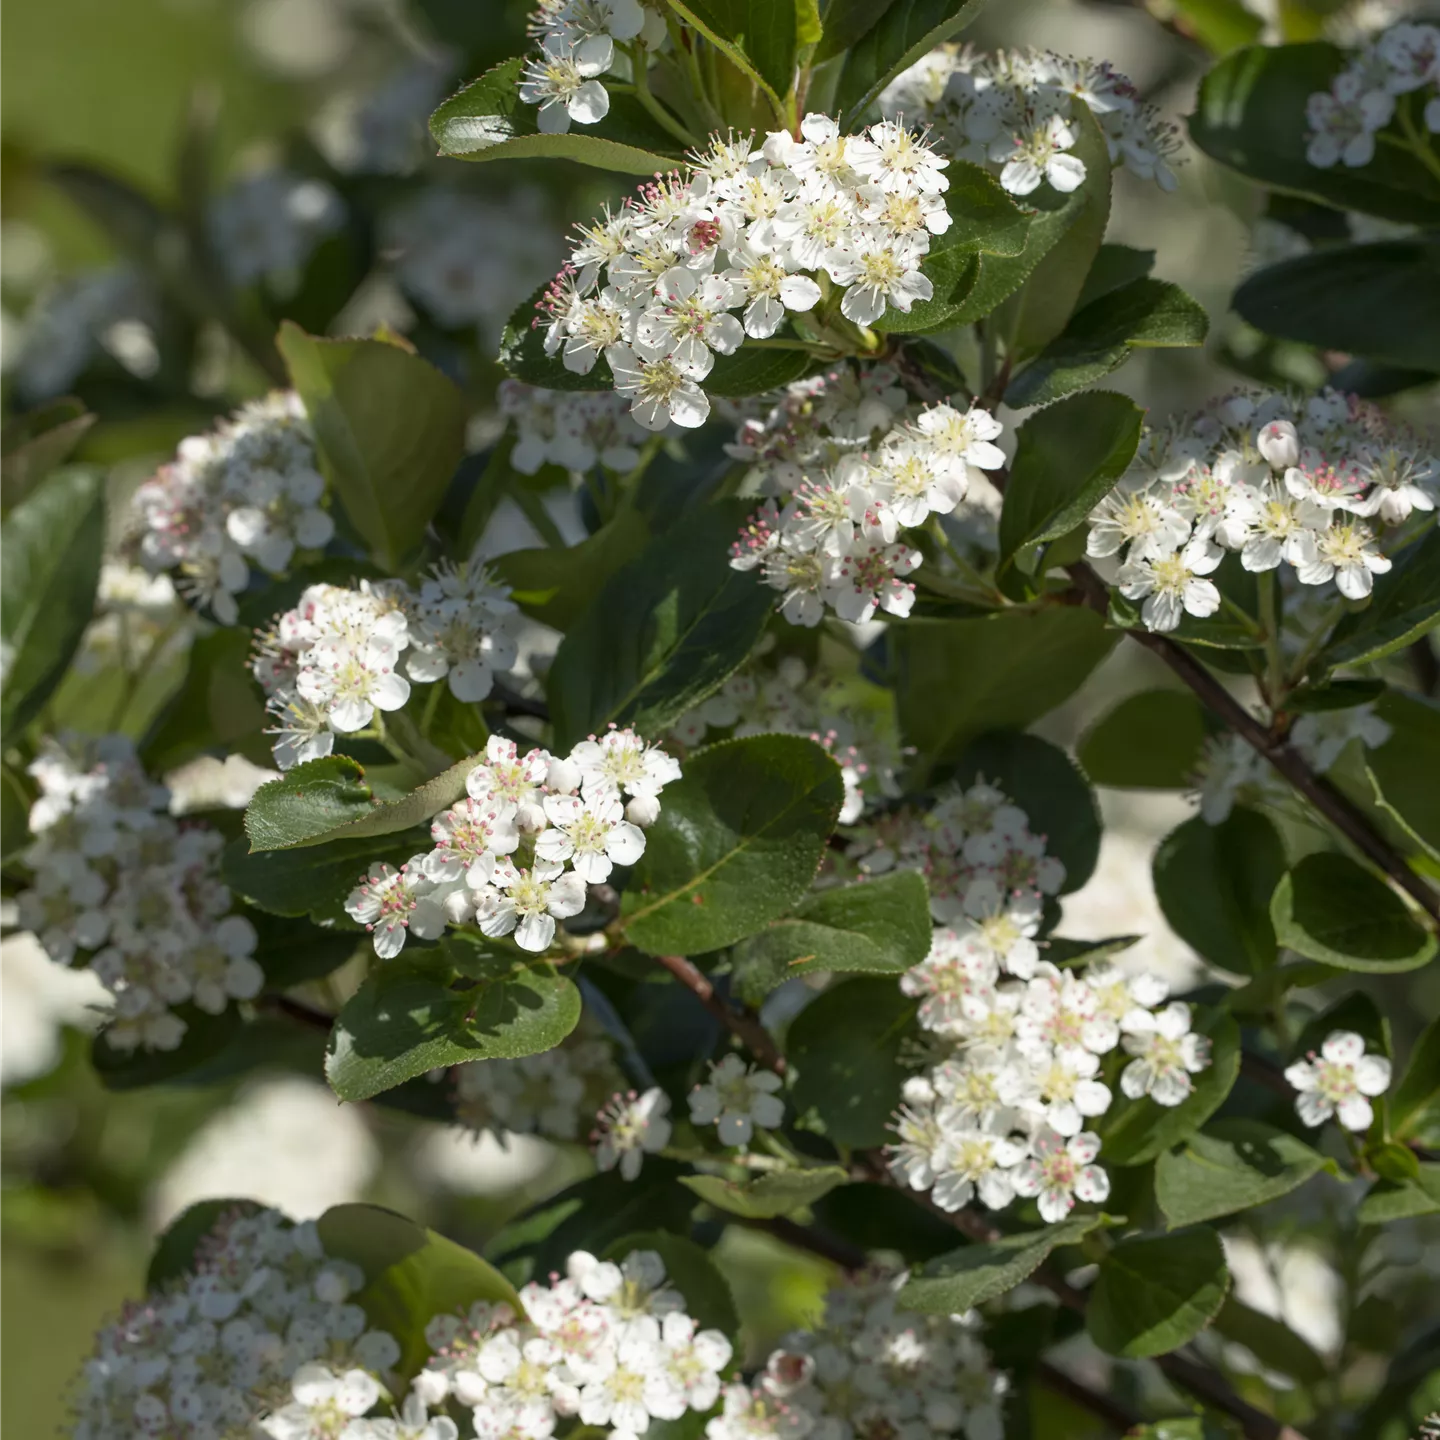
pixel 218 706
pixel 1405 770
pixel 976 1273
pixel 1067 458
pixel 758 35
pixel 1149 741
pixel 1155 1293
pixel 776 1193
pixel 738 842
pixel 206 1036
pixel 1214 884
pixel 488 121
pixel 1067 952
pixel 1251 116
pixel 1115 267
pixel 390 429
pixel 753 370
pixel 692 1272
pixel 1381 301
pixel 33 444
pixel 1273 1343
pixel 411 1274
pixel 1333 695
pixel 1136 1131
pixel 903 32
pixel 1390 1200
pixel 845 22
pixel 175 1250
pixel 404 1021
pixel 1329 908
pixel 1356 1011
pixel 1415 1103
pixel 845 1047
pixel 292 951
pixel 50 553
pixel 1043 781
pixel 1146 314
pixel 877 927
pixel 1219 25
pixel 1231 1165
pixel 17 795
pixel 1405 604
pixel 666 631
pixel 1391 1160
pixel 1003 671
pixel 557 586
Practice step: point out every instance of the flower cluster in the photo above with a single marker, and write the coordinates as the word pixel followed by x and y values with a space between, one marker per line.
pixel 117 878
pixel 246 491
pixel 786 698
pixel 516 854
pixel 870 1368
pixel 577 44
pixel 736 245
pixel 545 1094
pixel 1363 97
pixel 252 1341
pixel 1231 769
pixel 463 258
pixel 610 1344
pixel 576 429
pixel 1017 112
pixel 1340 1081
pixel 836 541
pixel 266 226
pixel 333 661
pixel 1310 485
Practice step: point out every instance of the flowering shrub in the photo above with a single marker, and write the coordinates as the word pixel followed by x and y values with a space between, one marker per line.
pixel 678 743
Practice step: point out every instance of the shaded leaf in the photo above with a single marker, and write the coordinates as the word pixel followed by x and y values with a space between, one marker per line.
pixel 1273 1343
pixel 1405 770
pixel 1404 605
pixel 1155 1293
pixel 35 443
pixel 1231 1165
pixel 1415 1101
pixel 1150 741
pixel 769 1194
pixel 175 1251
pixel 760 36
pixel 558 586
pixel 903 31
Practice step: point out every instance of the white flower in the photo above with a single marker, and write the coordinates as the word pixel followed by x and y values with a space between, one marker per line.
pixel 1173 586
pixel 688 320
pixel 412 1423
pixel 1344 552
pixel 1341 1080
pixel 324 1402
pixel 390 902
pixel 769 290
pixel 511 783
pixel 631 1127
pixel 592 834
pixel 529 902
pixel 736 1099
pixel 890 156
pixel 970 1162
pixel 1060 1171
pixel 1166 1055
pixel 869 577
pixel 879 271
pixel 1040 154
pixel 1279 443
pixel 1136 518
pixel 661 391
pixel 561 81
pixel 1343 122
pixel 1060 1089
pixel 619 762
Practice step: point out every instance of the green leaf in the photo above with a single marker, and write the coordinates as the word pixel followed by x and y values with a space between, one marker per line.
pixel 1273 1343
pixel 404 1021
pixel 846 21
pixel 1115 267
pixel 1017 666
pixel 845 1049
pixel 757 35
pixel 1380 301
pixel 1043 781
pixel 903 31
pixel 558 586
pixel 666 631
pixel 35 443
pixel 1405 770
pixel 1150 741
pixel 875 927
pixel 50 551
pixel 767 1195
pixel 487 120
pixel 754 370
pixel 1155 1293
pixel 1329 908
pixel 174 1254
pixel 1067 459
pixel 1231 1165
pixel 206 1036
pixel 738 842
pixel 967 1277
pixel 314 881
pixel 1219 25
pixel 1415 1102
pixel 1405 605
pixel 330 799
pixel 291 951
pixel 1389 1200
pixel 218 705
pixel 692 1272
pixel 390 429
pixel 1134 1132
pixel 1333 695
pixel 1250 116
pixel 1146 314
pixel 1356 1011
pixel 1214 884
pixel 411 1275
pixel 17 795
pixel 1034 317
pixel 1067 952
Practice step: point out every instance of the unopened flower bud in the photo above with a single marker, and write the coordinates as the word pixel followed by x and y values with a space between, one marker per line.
pixel 1279 444
pixel 643 810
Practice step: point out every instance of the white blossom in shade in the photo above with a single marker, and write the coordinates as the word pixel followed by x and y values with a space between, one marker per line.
pixel 1059 1089
pixel 324 1402
pixel 871 577
pixel 630 1127
pixel 1173 586
pixel 529 902
pixel 1002 927
pixel 266 226
pixel 413 1422
pixel 660 390
pixel 1167 1053
pixel 561 81
pixel 592 834
pixel 1038 156
pixel 1061 1171
pixel 392 903
pixel 1340 1081
pixel 1346 553
pixel 1321 736
pixel 1402 480
pixel 737 1099
pixel 576 429
pixel 1343 122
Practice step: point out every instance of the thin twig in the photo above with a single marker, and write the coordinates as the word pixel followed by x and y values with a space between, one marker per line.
pixel 743 1026
pixel 298 1010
